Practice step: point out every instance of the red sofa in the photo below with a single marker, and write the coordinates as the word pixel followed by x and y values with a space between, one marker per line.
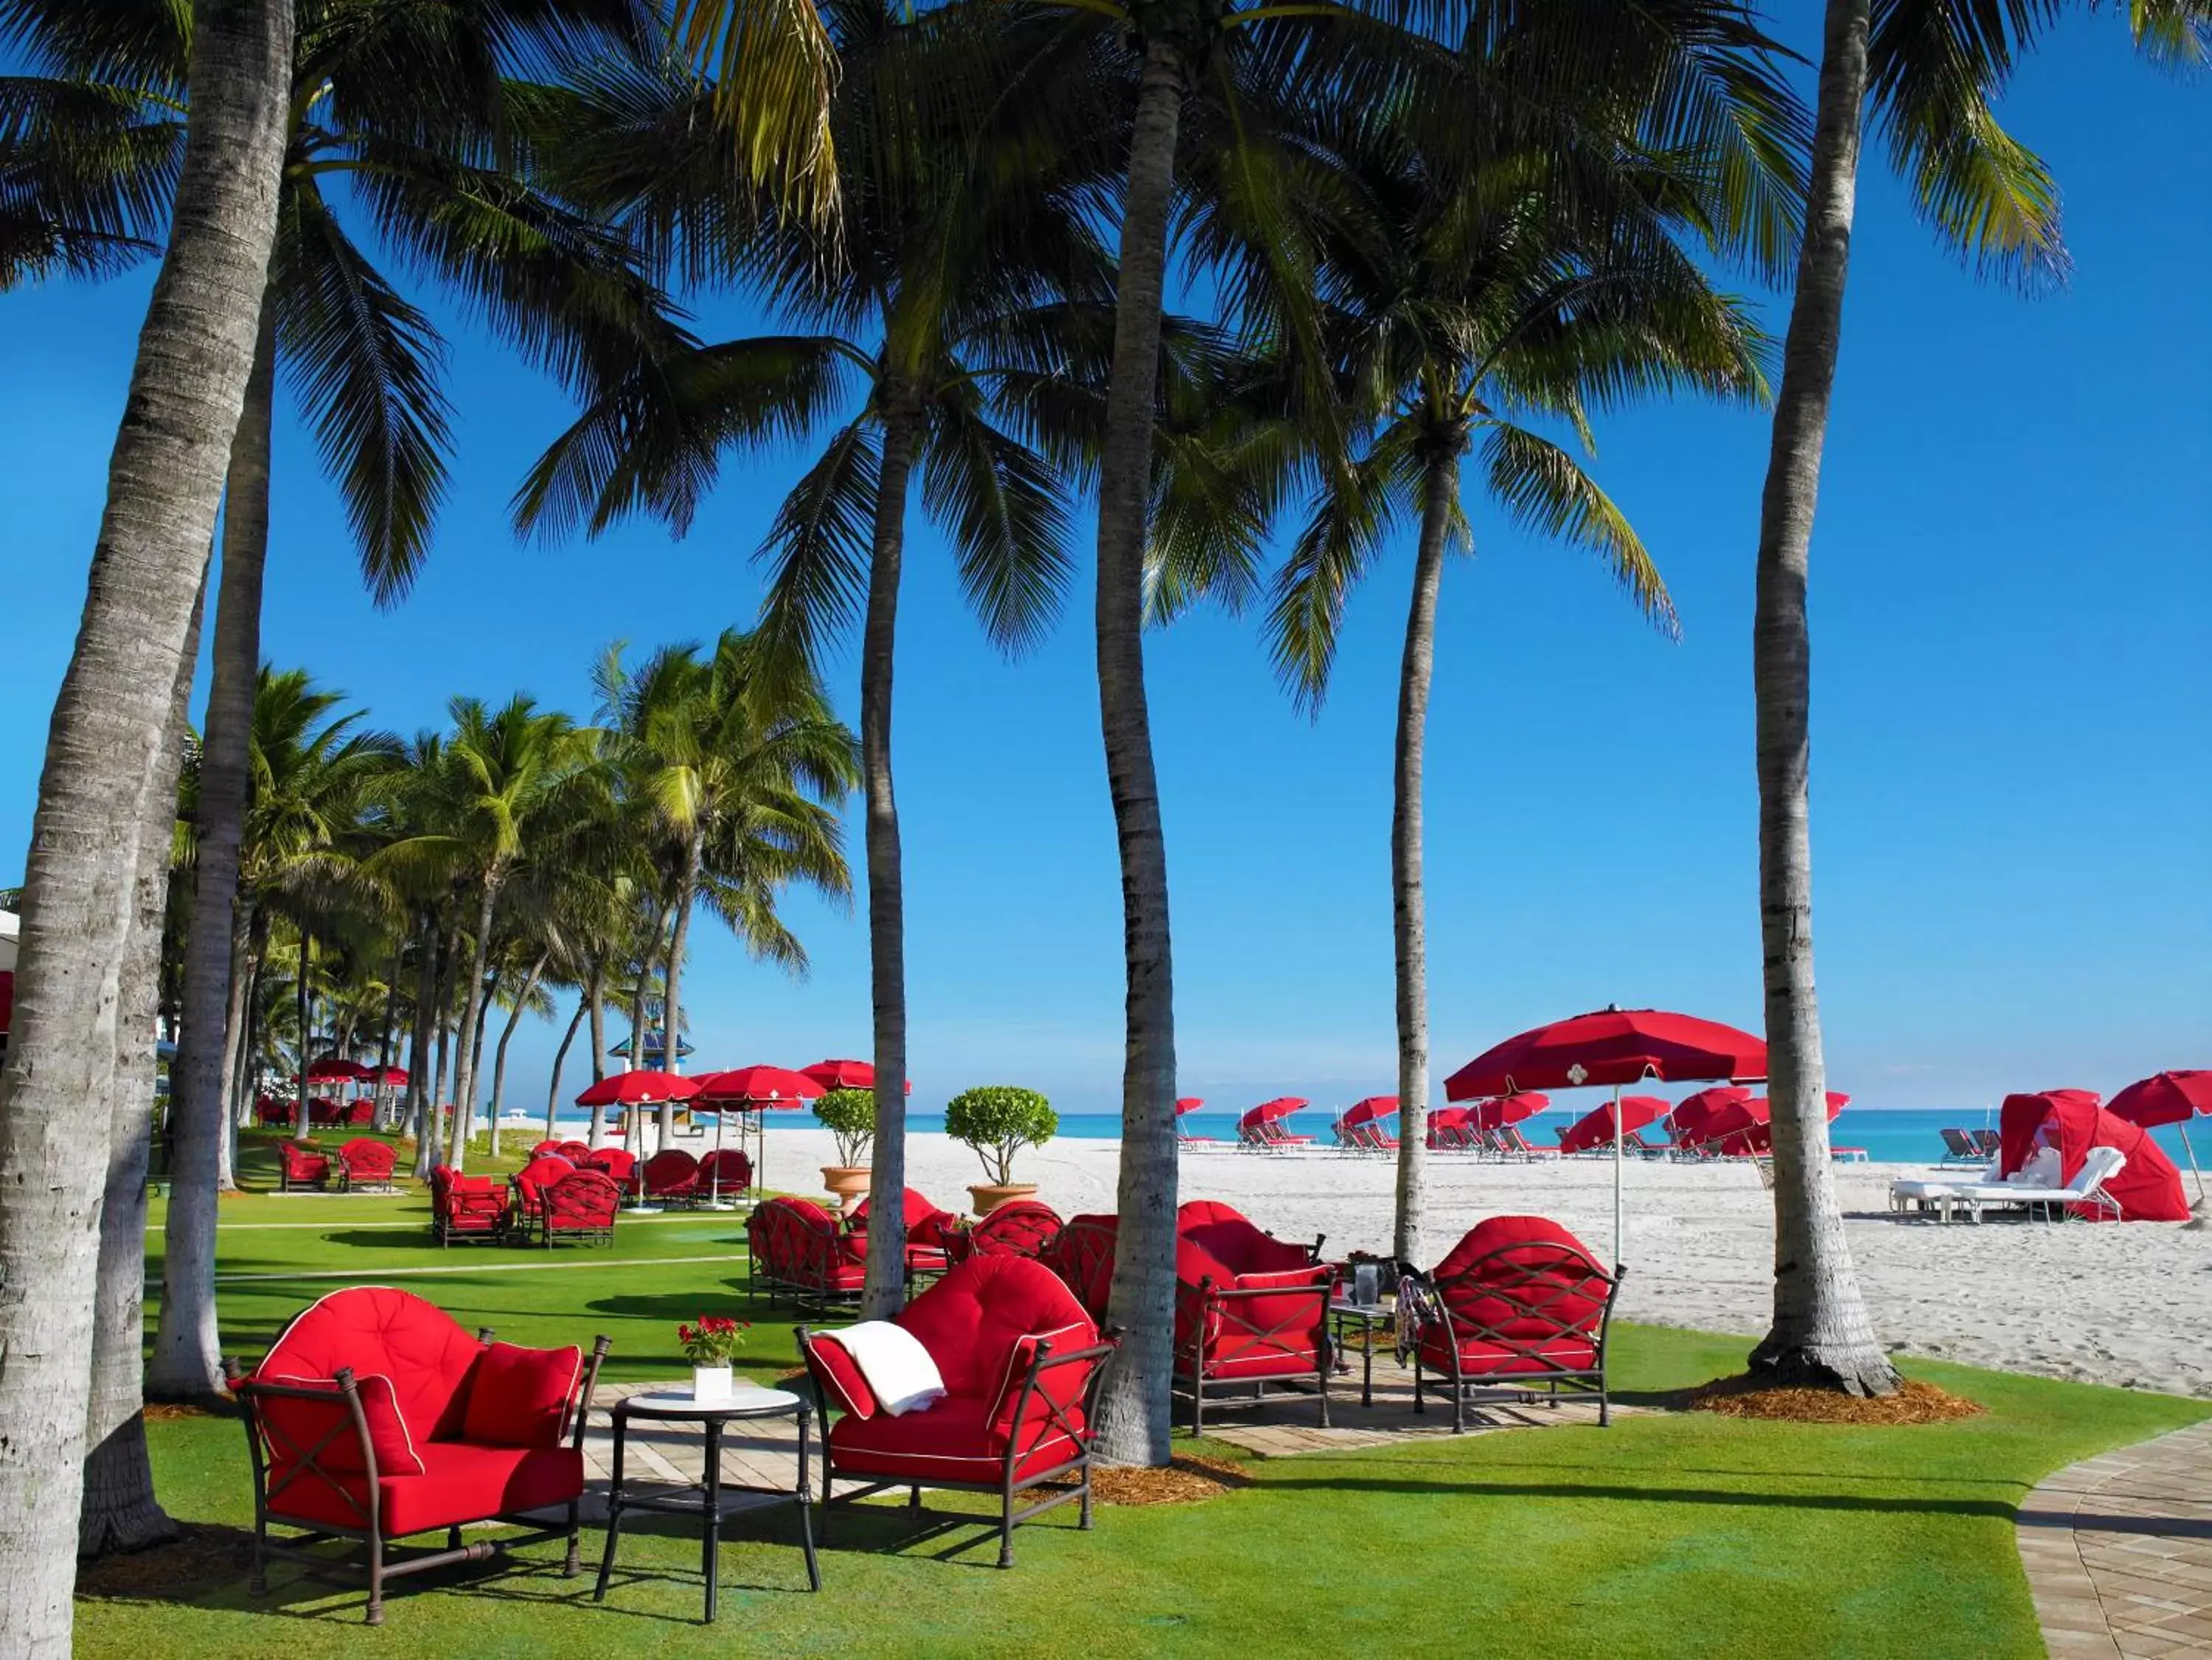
pixel 1019 1227
pixel 300 1164
pixel 467 1207
pixel 926 1229
pixel 365 1163
pixel 580 1208
pixel 797 1247
pixel 1519 1302
pixel 374 1416
pixel 1022 1364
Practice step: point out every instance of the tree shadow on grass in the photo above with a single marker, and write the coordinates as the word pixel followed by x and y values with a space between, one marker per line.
pixel 1655 1492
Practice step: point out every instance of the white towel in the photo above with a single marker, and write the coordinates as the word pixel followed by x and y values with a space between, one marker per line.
pixel 900 1373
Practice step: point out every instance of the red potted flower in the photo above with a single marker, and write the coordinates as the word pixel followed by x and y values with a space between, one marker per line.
pixel 710 1345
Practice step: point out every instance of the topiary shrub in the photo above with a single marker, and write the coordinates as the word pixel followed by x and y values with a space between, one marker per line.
pixel 849 1116
pixel 997 1121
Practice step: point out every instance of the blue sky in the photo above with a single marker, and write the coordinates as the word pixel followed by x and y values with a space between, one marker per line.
pixel 2013 745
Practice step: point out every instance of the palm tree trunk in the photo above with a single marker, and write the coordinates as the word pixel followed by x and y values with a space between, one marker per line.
pixel 885 1290
pixel 119 1510
pixel 560 1060
pixel 233 1052
pixel 1134 1410
pixel 472 1037
pixel 186 1366
pixel 98 794
pixel 1821 1336
pixel 465 1111
pixel 421 1082
pixel 1408 908
pixel 687 889
pixel 595 995
pixel 304 1011
pixel 449 946
pixel 506 1036
pixel 384 1037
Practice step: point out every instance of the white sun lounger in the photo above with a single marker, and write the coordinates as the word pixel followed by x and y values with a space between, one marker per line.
pixel 2088 1188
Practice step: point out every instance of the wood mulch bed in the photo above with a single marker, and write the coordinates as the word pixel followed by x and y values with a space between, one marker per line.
pixel 1187 1481
pixel 202 1554
pixel 1914 1402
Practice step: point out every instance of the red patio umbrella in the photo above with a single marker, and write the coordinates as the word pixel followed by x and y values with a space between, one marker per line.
pixel 1502 1110
pixel 1611 1046
pixel 1188 1104
pixel 845 1075
pixel 2167 1098
pixel 335 1067
pixel 1594 1129
pixel 392 1077
pixel 1694 1112
pixel 643 1087
pixel 1368 1111
pixel 1272 1112
pixel 760 1089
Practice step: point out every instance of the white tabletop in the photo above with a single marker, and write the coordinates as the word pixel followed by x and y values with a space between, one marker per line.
pixel 682 1403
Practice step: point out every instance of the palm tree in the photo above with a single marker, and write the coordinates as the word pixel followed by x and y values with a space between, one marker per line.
pixel 960 266
pixel 98 800
pixel 1458 297
pixel 316 776
pixel 1931 73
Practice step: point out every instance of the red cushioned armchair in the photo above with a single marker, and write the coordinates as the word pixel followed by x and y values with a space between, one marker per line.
pixel 926 1228
pixel 796 1246
pixel 1249 1309
pixel 1019 1227
pixel 612 1163
pixel 1083 1256
pixel 670 1177
pixel 300 1164
pixel 724 1174
pixel 375 1417
pixel 1519 1302
pixel 467 1207
pixel 365 1163
pixel 529 1184
pixel 580 1208
pixel 1022 1364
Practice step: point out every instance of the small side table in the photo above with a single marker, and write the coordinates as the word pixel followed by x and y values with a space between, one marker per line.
pixel 1369 1317
pixel 680 1406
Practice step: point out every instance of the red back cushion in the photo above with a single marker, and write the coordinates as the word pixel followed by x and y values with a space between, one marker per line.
pixel 670 1170
pixel 1083 1257
pixel 970 1320
pixel 1227 1238
pixel 420 1348
pixel 835 1365
pixel 613 1162
pixel 1522 1277
pixel 520 1398
pixel 365 1155
pixel 541 1174
pixel 295 1425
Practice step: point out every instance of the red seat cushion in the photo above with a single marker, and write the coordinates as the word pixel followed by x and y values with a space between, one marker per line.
pixel 953 1441
pixel 425 1352
pixel 519 1397
pixel 460 1483
pixel 1481 1359
pixel 295 1426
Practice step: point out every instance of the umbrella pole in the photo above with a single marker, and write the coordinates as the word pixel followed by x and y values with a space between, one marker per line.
pixel 1619 1140
pixel 2193 1170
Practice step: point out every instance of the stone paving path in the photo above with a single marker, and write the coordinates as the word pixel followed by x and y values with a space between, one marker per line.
pixel 2118 1552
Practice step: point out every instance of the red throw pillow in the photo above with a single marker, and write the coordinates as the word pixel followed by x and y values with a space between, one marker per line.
pixel 294 1427
pixel 519 1397
pixel 843 1375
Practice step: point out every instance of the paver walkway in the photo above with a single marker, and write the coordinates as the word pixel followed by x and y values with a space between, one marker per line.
pixel 2118 1552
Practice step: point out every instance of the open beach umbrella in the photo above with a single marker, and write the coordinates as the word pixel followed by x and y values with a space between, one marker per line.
pixel 1272 1112
pixel 1368 1111
pixel 757 1089
pixel 1502 1110
pixel 845 1075
pixel 1188 1104
pixel 392 1077
pixel 1616 1047
pixel 335 1067
pixel 643 1087
pixel 1594 1129
pixel 2168 1098
pixel 1694 1112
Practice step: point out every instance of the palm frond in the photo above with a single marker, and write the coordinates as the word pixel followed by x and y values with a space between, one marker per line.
pixel 1545 490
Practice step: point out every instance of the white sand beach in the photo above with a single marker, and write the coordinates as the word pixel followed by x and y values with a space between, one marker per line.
pixel 2129 1305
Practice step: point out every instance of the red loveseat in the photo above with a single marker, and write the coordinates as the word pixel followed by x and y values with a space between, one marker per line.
pixel 375 1417
pixel 300 1164
pixel 1519 1302
pixel 1022 1364
pixel 1249 1308
pixel 797 1247
pixel 580 1207
pixel 1019 1227
pixel 926 1229
pixel 467 1207
pixel 365 1163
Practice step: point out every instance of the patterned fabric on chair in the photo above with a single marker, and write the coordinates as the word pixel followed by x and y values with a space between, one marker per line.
pixel 299 1165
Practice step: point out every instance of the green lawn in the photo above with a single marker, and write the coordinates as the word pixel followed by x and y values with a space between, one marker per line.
pixel 1669 1534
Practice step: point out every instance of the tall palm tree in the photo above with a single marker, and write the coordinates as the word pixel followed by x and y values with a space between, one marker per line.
pixel 958 262
pixel 1930 73
pixel 1458 297
pixel 98 797
pixel 315 776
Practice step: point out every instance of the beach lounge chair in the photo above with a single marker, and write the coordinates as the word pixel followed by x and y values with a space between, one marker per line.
pixel 1519 1302
pixel 375 1417
pixel 1250 1309
pixel 1019 1227
pixel 926 1227
pixel 797 1248
pixel 670 1177
pixel 579 1209
pixel 365 1165
pixel 1021 1364
pixel 467 1207
pixel 2086 1192
pixel 1519 1147
pixel 300 1166
pixel 1988 1143
pixel 1960 1148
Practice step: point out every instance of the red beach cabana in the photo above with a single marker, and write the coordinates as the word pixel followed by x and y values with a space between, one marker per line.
pixel 2147 1188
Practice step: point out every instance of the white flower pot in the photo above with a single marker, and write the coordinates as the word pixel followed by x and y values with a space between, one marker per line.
pixel 710 1385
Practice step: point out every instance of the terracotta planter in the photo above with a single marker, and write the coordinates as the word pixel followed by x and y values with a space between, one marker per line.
pixel 987 1197
pixel 848 1182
